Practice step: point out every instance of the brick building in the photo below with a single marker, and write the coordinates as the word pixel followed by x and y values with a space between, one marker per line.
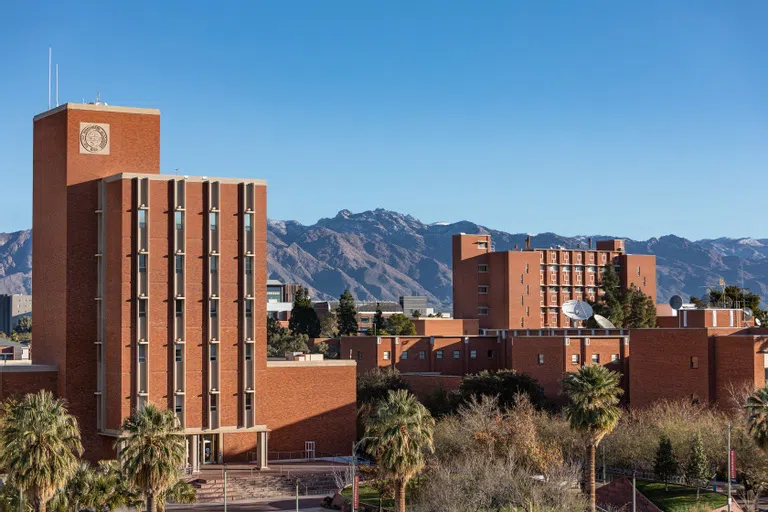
pixel 12 308
pixel 150 288
pixel 501 289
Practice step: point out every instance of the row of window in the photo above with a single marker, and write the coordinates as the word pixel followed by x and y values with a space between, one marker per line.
pixel 423 355
pixel 576 358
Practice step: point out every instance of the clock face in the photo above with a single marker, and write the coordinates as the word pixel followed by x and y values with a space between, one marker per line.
pixel 94 138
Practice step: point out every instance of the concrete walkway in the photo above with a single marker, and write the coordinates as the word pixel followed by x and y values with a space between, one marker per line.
pixel 311 504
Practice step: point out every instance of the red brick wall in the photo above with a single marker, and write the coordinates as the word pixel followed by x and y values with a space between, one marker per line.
pixel 738 361
pixel 446 327
pixel 15 384
pixel 660 365
pixel 423 385
pixel 310 404
pixel 646 280
pixel 525 351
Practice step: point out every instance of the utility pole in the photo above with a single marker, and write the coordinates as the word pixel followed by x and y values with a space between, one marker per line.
pixel 729 467
pixel 354 447
pixel 225 488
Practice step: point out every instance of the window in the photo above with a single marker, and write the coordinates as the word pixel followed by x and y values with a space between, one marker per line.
pixel 527 289
pixel 614 358
pixel 522 300
pixel 248 223
pixel 490 354
pixel 142 219
pixel 365 319
pixel 457 354
pixel 142 308
pixel 248 265
pixel 142 354
pixel 473 354
pixel 595 358
pixel 439 354
pixel 179 404
pixel 248 401
pixel 527 311
pixel 422 355
pixel 482 267
pixel 482 289
pixel 248 351
pixel 482 245
pixel 574 358
pixel 248 309
pixel 386 354
pixel 214 308
pixel 359 355
pixel 644 281
pixel 540 358
pixel 482 310
pixel 212 221
pixel 213 352
pixel 522 278
pixel 179 354
pixel 214 399
pixel 694 362
pixel 179 220
pixel 179 264
pixel 527 268
pixel 142 262
pixel 638 271
pixel 404 354
pixel 213 264
pixel 179 308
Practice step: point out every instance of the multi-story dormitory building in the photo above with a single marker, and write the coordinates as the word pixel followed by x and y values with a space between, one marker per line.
pixel 150 288
pixel 702 354
pixel 524 289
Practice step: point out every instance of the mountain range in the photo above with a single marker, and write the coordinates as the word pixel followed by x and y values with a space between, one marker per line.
pixel 382 254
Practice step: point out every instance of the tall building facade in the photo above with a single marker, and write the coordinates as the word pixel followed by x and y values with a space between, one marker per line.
pixel 12 308
pixel 524 289
pixel 150 288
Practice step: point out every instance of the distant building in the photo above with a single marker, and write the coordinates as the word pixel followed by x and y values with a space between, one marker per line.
pixel 365 311
pixel 12 308
pixel 14 350
pixel 280 299
pixel 413 303
pixel 524 289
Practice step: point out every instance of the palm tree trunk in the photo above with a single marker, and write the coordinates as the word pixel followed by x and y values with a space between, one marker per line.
pixel 151 506
pixel 591 449
pixel 401 496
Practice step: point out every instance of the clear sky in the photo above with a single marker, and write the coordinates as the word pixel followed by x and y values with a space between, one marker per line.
pixel 632 118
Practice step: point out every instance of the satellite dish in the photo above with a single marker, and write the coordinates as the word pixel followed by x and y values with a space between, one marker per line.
pixel 758 322
pixel 748 312
pixel 576 309
pixel 603 322
pixel 676 302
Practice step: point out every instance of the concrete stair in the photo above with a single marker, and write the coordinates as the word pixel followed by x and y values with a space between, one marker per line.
pixel 262 486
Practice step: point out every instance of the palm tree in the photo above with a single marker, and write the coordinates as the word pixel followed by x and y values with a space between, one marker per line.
pixel 40 443
pixel 757 417
pixel 151 452
pixel 180 492
pixel 593 392
pixel 399 432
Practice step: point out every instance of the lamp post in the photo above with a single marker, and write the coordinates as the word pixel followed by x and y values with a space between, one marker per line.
pixel 729 468
pixel 225 488
pixel 355 446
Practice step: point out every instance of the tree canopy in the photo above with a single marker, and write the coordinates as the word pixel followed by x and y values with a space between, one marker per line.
pixel 625 308
pixel 346 315
pixel 504 384
pixel 400 325
pixel 303 316
pixel 735 296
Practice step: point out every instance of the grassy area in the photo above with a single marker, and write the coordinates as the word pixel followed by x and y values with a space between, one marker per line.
pixel 680 498
pixel 368 495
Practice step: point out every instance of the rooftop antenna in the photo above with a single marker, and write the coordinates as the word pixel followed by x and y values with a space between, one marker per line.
pixel 50 55
pixel 603 322
pixel 57 85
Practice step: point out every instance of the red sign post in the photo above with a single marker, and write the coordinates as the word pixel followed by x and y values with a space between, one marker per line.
pixel 356 493
pixel 732 476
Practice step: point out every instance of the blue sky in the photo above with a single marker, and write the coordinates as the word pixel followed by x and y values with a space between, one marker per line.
pixel 626 118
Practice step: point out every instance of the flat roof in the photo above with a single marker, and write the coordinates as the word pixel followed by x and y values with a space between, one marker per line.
pixel 169 177
pixel 102 107
pixel 20 366
pixel 310 364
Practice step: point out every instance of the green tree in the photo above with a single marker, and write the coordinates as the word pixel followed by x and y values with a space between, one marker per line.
pixel 152 452
pixel 24 325
pixel 278 345
pixel 416 314
pixel 379 324
pixel 375 384
pixel 504 384
pixel 757 417
pixel 273 327
pixel 697 471
pixel 735 296
pixel 400 325
pixel 346 315
pixel 400 434
pixel 328 326
pixel 593 393
pixel 40 445
pixel 303 316
pixel 329 351
pixel 665 464
pixel 611 304
pixel 180 492
pixel 640 310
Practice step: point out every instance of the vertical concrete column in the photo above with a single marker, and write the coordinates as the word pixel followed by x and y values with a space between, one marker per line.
pixel 262 450
pixel 194 455
pixel 395 351
pixel 431 353
pixel 466 355
pixel 221 448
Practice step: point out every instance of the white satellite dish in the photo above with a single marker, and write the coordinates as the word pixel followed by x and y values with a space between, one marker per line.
pixel 758 322
pixel 603 322
pixel 748 312
pixel 576 309
pixel 676 302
